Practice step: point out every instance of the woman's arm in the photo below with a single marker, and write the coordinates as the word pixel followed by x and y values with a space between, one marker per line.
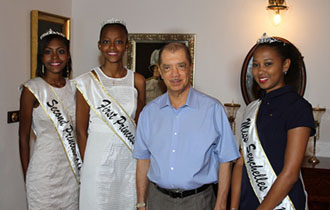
pixel 294 154
pixel 27 102
pixel 140 85
pixel 236 183
pixel 82 121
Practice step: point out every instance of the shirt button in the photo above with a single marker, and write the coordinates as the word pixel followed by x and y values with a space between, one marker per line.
pixel 175 133
pixel 172 168
pixel 173 150
pixel 172 185
pixel 177 117
pixel 268 103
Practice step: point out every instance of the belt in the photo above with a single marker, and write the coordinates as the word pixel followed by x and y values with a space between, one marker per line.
pixel 182 194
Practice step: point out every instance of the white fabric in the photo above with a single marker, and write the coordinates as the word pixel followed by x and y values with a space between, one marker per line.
pixel 50 183
pixel 108 172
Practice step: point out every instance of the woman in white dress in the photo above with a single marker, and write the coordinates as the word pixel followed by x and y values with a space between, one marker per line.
pixel 109 99
pixel 47 105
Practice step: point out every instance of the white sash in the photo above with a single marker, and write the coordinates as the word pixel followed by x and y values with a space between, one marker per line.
pixel 259 169
pixel 61 120
pixel 107 108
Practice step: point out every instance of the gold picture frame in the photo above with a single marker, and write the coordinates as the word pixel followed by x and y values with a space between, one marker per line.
pixel 141 46
pixel 41 22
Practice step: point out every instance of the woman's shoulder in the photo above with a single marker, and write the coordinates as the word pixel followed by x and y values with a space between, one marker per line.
pixel 139 80
pixel 300 114
pixel 138 77
pixel 296 101
pixel 33 83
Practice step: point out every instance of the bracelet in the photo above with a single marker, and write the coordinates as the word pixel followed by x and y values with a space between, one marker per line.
pixel 140 205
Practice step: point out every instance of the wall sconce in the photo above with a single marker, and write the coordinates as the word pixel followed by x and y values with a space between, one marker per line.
pixel 231 111
pixel 277 6
pixel 317 113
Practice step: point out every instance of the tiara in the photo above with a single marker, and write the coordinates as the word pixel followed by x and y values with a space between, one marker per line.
pixel 267 39
pixel 50 32
pixel 113 21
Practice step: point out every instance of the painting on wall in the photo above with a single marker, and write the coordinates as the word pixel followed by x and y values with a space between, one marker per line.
pixel 143 53
pixel 41 22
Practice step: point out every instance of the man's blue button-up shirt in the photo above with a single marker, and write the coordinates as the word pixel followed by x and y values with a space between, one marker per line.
pixel 184 145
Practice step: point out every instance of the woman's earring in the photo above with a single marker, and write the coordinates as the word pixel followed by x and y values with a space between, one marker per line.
pixel 67 71
pixel 285 72
pixel 43 69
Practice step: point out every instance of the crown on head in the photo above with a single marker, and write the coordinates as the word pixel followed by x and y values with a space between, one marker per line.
pixel 267 39
pixel 113 21
pixel 50 32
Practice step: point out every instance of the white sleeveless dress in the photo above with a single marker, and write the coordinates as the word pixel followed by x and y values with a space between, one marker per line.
pixel 108 172
pixel 50 183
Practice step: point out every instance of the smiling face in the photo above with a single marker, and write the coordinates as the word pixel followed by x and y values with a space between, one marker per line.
pixel 55 56
pixel 175 70
pixel 268 68
pixel 113 43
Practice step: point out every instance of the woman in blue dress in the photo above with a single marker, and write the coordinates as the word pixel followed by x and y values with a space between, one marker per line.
pixel 274 134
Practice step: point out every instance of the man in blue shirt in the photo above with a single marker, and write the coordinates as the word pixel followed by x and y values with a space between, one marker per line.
pixel 183 143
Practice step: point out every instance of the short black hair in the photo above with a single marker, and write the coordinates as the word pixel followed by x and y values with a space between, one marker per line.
pixel 114 24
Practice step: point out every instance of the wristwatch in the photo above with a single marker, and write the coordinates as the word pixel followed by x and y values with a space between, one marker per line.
pixel 140 205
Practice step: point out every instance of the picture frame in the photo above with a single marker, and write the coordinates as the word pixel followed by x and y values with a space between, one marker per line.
pixel 142 57
pixel 41 22
pixel 141 46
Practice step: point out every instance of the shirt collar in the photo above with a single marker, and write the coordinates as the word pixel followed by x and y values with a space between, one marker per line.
pixel 276 92
pixel 164 100
pixel 190 102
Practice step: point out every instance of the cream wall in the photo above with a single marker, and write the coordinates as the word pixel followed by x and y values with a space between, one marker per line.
pixel 15 69
pixel 226 30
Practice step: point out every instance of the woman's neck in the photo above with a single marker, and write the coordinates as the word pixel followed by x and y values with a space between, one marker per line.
pixel 114 70
pixel 55 80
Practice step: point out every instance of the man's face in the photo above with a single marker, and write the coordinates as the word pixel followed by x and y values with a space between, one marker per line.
pixel 175 70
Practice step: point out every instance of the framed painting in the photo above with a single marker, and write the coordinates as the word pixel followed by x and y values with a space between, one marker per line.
pixel 142 57
pixel 143 45
pixel 41 22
